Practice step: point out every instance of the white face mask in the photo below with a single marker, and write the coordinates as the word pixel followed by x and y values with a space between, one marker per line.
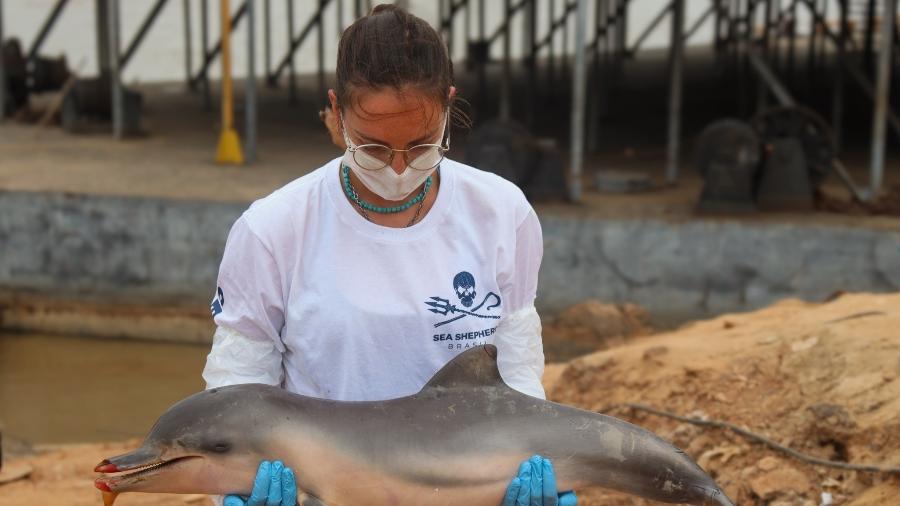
pixel 385 182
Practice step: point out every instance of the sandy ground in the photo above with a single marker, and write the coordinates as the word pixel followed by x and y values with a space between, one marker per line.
pixel 64 475
pixel 823 379
pixel 819 378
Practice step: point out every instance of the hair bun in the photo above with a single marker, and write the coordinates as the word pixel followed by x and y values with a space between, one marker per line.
pixel 378 9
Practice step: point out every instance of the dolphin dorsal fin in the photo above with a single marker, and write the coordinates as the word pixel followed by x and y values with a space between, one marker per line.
pixel 473 368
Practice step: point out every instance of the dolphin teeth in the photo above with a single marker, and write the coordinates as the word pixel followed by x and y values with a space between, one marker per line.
pixel 134 471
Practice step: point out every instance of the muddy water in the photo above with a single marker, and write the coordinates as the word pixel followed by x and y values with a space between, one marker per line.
pixel 70 389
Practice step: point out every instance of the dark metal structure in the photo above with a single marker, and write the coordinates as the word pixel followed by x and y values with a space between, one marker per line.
pixel 758 42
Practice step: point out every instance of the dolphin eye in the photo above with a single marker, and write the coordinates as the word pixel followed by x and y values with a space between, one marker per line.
pixel 216 446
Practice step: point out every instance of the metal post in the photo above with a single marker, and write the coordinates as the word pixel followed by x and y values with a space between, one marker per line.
pixel 720 36
pixel 229 149
pixel 118 117
pixel 530 53
pixel 792 43
pixel 765 75
pixel 204 35
pixel 620 48
pixel 339 17
pixel 188 47
pixel 551 64
pixel 699 22
pixel 482 70
pixel 882 90
pixel 449 25
pixel 442 6
pixel 675 84
pixel 295 42
pixel 214 51
pixel 741 57
pixel 603 49
pixel 292 76
pixel 618 52
pixel 593 122
pixel 856 73
pixel 717 25
pixel 357 8
pixel 468 30
pixel 775 52
pixel 320 45
pixel 811 49
pixel 564 53
pixel 250 91
pixel 2 79
pixel 733 34
pixel 45 29
pixel 823 50
pixel 650 28
pixel 579 93
pixel 762 95
pixel 267 40
pixel 507 71
pixel 837 99
pixel 141 33
pixel 869 43
pixel 102 23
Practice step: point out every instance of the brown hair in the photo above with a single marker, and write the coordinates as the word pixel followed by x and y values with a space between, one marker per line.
pixel 391 48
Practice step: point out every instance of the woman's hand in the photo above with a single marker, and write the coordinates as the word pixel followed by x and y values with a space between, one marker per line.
pixel 274 486
pixel 535 485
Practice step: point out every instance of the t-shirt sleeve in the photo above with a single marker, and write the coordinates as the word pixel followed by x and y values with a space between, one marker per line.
pixel 249 295
pixel 520 285
pixel 518 338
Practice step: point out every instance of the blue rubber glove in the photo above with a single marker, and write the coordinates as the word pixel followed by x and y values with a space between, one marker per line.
pixel 535 485
pixel 274 486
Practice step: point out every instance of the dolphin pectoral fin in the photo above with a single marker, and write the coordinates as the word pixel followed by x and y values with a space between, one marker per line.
pixel 308 500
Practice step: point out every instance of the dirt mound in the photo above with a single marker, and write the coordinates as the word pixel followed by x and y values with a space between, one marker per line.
pixel 819 378
pixel 823 379
pixel 593 325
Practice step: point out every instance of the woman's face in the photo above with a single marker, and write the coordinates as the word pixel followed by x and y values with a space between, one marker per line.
pixel 396 120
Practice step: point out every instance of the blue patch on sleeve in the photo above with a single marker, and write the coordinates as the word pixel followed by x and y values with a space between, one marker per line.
pixel 218 302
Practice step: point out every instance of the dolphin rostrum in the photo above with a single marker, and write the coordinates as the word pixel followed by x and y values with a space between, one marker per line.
pixel 457 441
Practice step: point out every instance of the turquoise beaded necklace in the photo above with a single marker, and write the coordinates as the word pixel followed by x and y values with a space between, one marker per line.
pixel 352 195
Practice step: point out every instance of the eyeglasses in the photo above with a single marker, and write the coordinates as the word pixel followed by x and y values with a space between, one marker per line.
pixel 378 156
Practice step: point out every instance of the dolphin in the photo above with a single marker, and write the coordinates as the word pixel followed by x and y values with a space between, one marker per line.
pixel 457 441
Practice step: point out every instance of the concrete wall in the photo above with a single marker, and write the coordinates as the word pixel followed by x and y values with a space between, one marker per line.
pixel 103 246
pixel 688 269
pixel 119 248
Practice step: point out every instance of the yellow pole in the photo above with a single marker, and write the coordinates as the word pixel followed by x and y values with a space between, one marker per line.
pixel 229 150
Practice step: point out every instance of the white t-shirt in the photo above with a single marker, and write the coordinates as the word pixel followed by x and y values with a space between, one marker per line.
pixel 359 311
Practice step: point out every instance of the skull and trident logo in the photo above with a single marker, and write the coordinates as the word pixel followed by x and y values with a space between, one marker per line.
pixel 464 285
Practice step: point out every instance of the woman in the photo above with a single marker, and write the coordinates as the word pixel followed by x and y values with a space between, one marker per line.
pixel 340 285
